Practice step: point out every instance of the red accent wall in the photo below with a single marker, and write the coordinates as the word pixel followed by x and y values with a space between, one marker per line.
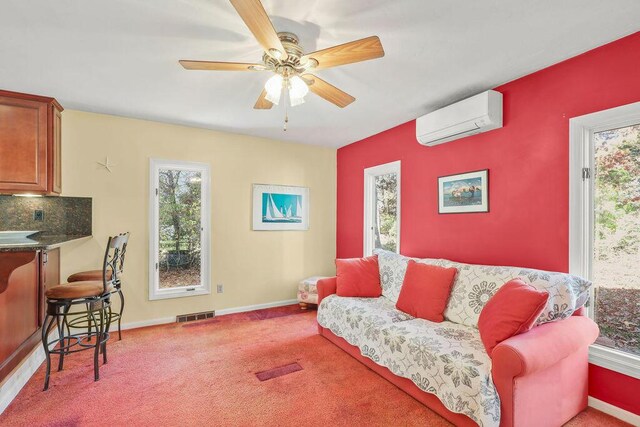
pixel 528 173
pixel 617 389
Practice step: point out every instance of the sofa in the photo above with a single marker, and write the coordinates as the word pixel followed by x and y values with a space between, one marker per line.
pixel 537 378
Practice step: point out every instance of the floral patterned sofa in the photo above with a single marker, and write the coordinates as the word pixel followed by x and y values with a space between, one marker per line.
pixel 538 378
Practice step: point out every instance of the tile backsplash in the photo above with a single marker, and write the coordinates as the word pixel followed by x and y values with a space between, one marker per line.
pixel 62 215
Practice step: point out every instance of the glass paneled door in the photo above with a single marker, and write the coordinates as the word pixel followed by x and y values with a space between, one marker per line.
pixel 179 228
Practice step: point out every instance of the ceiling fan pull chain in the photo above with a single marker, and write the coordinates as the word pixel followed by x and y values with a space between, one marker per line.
pixel 286 116
pixel 286 120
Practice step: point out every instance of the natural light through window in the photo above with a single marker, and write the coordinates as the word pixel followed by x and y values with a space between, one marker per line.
pixel 179 238
pixel 382 208
pixel 616 246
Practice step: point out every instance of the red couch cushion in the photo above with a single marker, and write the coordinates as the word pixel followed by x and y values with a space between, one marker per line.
pixel 511 311
pixel 425 290
pixel 358 277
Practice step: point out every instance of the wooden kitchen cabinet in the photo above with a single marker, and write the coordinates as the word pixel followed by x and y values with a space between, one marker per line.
pixel 24 279
pixel 20 304
pixel 30 144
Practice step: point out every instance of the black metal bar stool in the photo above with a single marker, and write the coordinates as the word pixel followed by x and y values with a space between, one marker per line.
pixel 96 296
pixel 93 275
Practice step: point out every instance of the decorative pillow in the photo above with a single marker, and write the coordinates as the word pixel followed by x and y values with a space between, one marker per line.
pixel 392 269
pixel 358 277
pixel 511 311
pixel 425 290
pixel 476 284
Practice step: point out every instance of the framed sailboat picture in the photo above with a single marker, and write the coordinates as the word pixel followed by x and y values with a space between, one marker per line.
pixel 278 207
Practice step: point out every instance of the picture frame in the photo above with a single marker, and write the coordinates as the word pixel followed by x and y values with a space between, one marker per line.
pixel 280 207
pixel 464 192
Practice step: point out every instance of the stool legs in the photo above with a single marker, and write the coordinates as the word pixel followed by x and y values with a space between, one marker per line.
pixel 120 314
pixel 107 323
pixel 63 343
pixel 46 328
pixel 89 328
pixel 100 337
pixel 98 312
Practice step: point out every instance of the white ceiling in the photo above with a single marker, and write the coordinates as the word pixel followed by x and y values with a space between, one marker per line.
pixel 121 56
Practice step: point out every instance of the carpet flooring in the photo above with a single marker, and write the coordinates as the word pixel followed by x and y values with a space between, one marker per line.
pixel 204 373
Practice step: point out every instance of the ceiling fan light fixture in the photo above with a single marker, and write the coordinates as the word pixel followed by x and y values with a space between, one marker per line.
pixel 295 101
pixel 284 56
pixel 273 87
pixel 311 63
pixel 275 53
pixel 297 87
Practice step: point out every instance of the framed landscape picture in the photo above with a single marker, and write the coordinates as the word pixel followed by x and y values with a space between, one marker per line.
pixel 278 207
pixel 464 193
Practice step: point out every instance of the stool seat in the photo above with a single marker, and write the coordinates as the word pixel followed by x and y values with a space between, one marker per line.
pixel 89 275
pixel 76 290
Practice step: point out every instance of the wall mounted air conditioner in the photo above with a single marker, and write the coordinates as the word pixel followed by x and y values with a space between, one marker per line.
pixel 470 116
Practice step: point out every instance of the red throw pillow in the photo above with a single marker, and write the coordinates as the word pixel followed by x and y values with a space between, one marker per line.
pixel 425 290
pixel 511 311
pixel 358 277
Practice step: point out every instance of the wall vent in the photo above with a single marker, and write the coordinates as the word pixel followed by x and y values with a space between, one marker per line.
pixel 181 318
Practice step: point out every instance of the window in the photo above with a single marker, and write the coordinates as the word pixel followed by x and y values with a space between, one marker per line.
pixel 605 229
pixel 382 208
pixel 179 229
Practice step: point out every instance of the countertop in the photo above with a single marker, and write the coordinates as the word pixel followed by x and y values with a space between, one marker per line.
pixel 41 242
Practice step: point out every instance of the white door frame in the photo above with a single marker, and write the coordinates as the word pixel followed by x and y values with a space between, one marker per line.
pixel 205 221
pixel 369 196
pixel 581 214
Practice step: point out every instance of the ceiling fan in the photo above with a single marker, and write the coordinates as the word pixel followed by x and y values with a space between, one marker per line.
pixel 292 67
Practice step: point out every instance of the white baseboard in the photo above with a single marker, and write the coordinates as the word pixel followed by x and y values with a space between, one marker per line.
pixel 143 323
pixel 614 411
pixel 255 307
pixel 14 382
pixel 222 312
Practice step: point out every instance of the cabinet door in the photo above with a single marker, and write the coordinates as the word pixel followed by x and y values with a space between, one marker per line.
pixel 19 303
pixel 23 145
pixel 55 163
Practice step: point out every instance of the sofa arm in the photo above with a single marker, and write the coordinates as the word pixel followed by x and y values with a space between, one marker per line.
pixel 325 288
pixel 546 367
pixel 543 346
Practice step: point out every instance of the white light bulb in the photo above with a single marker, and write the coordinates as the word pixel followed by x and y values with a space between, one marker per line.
pixel 295 101
pixel 274 89
pixel 297 87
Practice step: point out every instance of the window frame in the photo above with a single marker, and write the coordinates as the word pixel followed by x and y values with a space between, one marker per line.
pixel 581 215
pixel 369 191
pixel 155 293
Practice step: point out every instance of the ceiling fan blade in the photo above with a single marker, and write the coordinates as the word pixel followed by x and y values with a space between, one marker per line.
pixel 255 17
pixel 348 53
pixel 328 91
pixel 262 103
pixel 220 66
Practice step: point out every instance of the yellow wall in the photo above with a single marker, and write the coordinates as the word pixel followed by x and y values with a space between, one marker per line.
pixel 254 266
